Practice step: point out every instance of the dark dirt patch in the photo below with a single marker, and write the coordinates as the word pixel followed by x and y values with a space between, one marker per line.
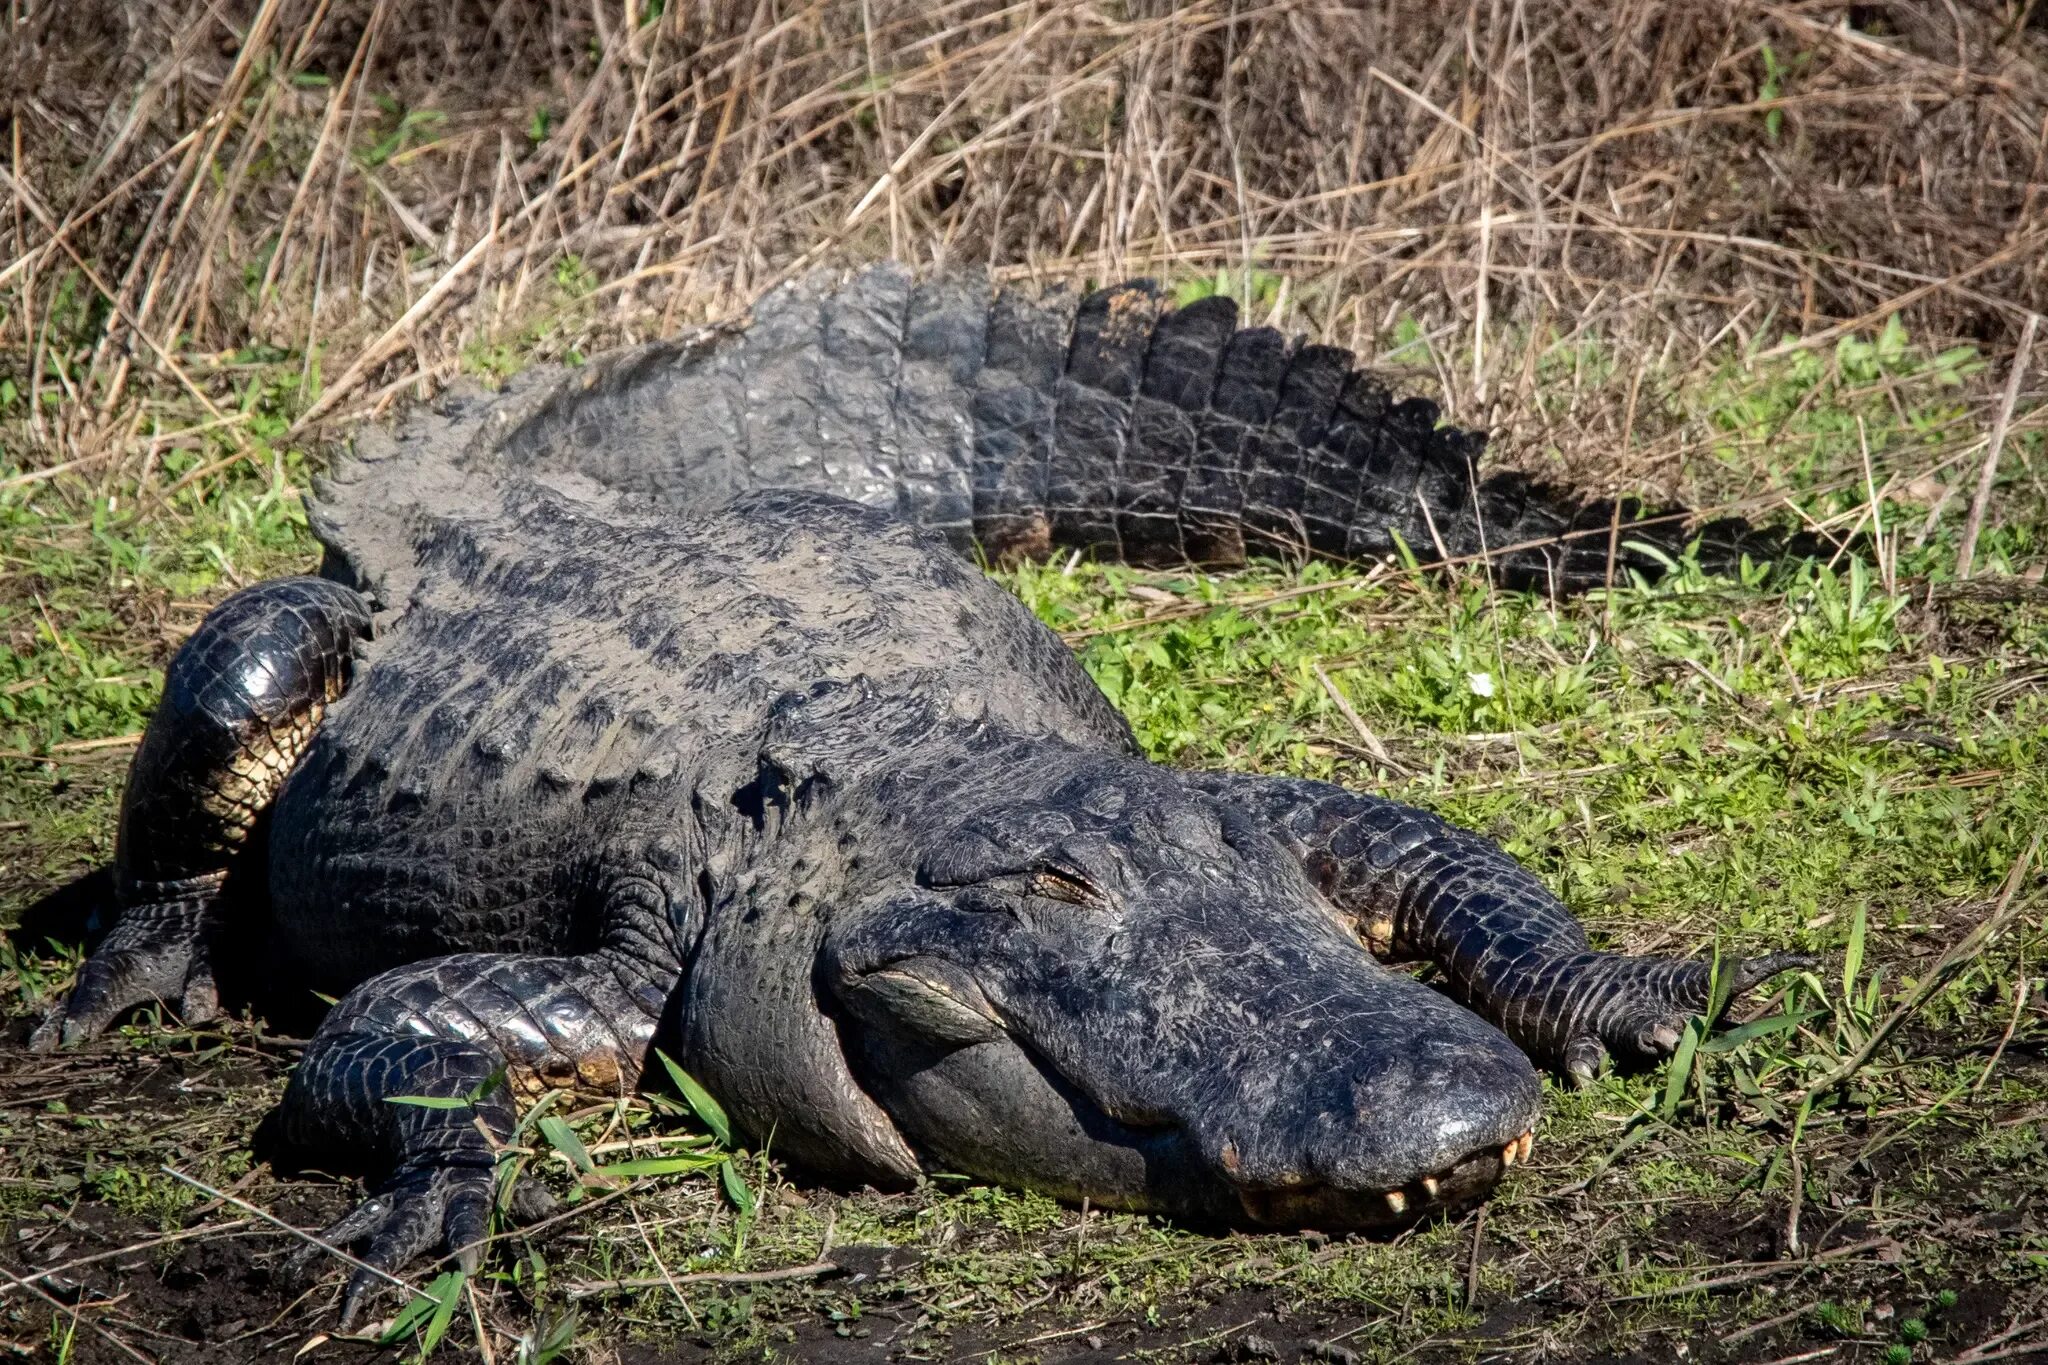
pixel 230 1294
pixel 223 1295
pixel 1713 1236
pixel 89 1217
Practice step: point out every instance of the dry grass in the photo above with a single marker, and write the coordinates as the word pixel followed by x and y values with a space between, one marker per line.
pixel 385 184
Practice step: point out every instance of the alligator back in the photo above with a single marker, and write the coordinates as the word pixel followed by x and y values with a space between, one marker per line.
pixel 1018 425
pixel 566 670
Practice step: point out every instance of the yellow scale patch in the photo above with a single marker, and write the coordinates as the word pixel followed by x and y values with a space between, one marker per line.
pixel 240 793
pixel 601 1074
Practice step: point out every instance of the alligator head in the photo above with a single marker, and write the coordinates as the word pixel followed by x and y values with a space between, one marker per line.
pixel 1104 985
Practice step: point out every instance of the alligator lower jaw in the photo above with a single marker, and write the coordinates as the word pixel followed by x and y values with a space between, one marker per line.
pixel 1331 1209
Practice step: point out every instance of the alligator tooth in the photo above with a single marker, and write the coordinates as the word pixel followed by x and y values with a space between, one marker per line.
pixel 1509 1152
pixel 1429 1185
pixel 1527 1143
pixel 1397 1201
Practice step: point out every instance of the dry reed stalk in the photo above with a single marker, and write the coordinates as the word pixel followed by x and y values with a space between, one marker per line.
pixel 1988 473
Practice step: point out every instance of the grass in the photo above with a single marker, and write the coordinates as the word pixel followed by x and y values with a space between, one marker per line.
pixel 1842 758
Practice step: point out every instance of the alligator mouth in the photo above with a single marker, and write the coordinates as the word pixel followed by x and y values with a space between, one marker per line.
pixel 945 1006
pixel 1461 1184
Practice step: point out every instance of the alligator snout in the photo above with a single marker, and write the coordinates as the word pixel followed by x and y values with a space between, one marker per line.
pixel 1377 1117
pixel 1447 1165
pixel 1206 1066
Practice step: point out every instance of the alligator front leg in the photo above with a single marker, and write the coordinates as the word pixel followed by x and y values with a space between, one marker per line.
pixel 1419 888
pixel 471 1028
pixel 241 703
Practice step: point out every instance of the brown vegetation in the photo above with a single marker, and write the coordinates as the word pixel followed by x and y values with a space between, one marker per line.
pixel 391 180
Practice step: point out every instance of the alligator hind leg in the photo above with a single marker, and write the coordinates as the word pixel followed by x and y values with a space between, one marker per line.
pixel 1421 889
pixel 241 702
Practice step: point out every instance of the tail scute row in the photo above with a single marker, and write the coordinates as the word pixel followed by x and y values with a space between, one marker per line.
pixel 1021 425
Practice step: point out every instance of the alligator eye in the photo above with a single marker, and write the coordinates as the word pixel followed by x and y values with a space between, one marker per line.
pixel 1062 886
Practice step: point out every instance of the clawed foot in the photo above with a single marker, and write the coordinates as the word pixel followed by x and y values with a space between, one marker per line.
pixel 418 1211
pixel 1635 1009
pixel 158 952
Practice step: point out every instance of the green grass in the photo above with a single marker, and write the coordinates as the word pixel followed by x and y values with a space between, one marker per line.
pixel 1804 758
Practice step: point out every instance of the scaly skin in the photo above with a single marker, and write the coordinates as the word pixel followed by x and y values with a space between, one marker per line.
pixel 789 786
pixel 1017 426
pixel 1420 889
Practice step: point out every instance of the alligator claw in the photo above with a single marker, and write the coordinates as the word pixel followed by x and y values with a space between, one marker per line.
pixel 418 1211
pixel 1639 1012
pixel 1583 1057
pixel 129 970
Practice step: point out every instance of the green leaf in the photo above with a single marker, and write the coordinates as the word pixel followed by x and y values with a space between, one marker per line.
pixel 563 1138
pixel 699 1099
pixel 1408 559
pixel 511 1166
pixel 435 1305
pixel 1643 547
pixel 552 1340
pixel 1681 1069
pixel 1852 956
pixel 447 1292
pixel 406 1318
pixel 540 1109
pixel 661 1165
pixel 488 1083
pixel 736 1189
pixel 1719 988
pixel 430 1101
pixel 1757 1028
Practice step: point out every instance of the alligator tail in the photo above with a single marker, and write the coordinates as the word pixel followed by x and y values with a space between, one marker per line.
pixel 1179 437
pixel 1024 425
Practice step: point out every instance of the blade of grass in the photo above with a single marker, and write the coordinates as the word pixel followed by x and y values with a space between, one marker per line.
pixel 699 1099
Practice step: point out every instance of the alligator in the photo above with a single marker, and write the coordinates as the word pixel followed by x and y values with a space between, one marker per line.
pixel 652 703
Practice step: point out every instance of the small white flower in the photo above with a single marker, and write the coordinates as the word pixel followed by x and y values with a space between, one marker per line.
pixel 1481 683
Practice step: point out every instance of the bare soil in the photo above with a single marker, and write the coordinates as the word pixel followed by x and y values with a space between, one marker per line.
pixel 219 1284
